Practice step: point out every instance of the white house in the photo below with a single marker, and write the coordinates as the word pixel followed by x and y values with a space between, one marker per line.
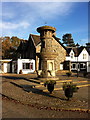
pixel 23 65
pixel 79 59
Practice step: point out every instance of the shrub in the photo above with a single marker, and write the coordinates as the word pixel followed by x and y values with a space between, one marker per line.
pixel 50 85
pixel 70 85
pixel 69 89
pixel 49 82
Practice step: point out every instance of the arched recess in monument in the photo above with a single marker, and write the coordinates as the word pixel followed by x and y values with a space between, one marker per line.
pixel 50 66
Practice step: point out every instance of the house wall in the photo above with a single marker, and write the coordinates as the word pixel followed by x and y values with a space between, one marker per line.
pixel 87 59
pixel 72 58
pixel 38 48
pixel 37 64
pixel 79 59
pixel 61 53
pixel 20 66
pixel 5 67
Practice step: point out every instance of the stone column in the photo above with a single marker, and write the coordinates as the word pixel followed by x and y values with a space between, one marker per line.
pixel 47 54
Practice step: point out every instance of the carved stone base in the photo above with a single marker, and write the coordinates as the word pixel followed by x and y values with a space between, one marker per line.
pixel 48 78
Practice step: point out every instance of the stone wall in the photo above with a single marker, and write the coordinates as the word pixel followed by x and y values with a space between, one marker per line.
pixel 61 53
pixel 55 48
pixel 38 48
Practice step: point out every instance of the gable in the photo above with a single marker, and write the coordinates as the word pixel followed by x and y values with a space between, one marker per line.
pixel 36 40
pixel 72 51
pixel 77 51
pixel 84 51
pixel 58 40
pixel 38 48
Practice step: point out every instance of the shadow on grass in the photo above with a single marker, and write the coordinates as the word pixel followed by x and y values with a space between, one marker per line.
pixel 31 88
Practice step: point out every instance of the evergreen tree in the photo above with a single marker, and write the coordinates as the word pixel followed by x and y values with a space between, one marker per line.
pixel 68 40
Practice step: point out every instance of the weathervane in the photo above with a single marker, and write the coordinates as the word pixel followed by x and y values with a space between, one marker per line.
pixel 45 23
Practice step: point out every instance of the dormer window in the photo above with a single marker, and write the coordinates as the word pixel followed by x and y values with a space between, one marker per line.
pixel 84 56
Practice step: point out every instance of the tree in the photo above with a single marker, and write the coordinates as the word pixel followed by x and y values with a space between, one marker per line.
pixel 15 42
pixel 88 44
pixel 6 45
pixel 68 40
pixel 9 46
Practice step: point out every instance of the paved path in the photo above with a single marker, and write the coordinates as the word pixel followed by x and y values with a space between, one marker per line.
pixel 12 109
pixel 22 88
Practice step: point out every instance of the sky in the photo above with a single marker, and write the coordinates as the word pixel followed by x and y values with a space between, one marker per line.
pixel 23 18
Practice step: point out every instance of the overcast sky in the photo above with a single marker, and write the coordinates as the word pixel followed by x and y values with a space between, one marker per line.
pixel 22 18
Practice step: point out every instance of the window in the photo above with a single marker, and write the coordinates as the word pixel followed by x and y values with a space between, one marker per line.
pixel 28 66
pixel 31 66
pixel 84 56
pixel 82 65
pixel 73 66
pixel 72 55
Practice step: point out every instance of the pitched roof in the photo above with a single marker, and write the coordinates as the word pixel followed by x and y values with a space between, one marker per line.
pixel 78 50
pixel 36 39
pixel 22 46
pixel 68 51
pixel 88 50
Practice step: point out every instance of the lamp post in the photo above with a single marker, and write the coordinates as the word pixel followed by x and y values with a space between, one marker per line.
pixel 77 45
